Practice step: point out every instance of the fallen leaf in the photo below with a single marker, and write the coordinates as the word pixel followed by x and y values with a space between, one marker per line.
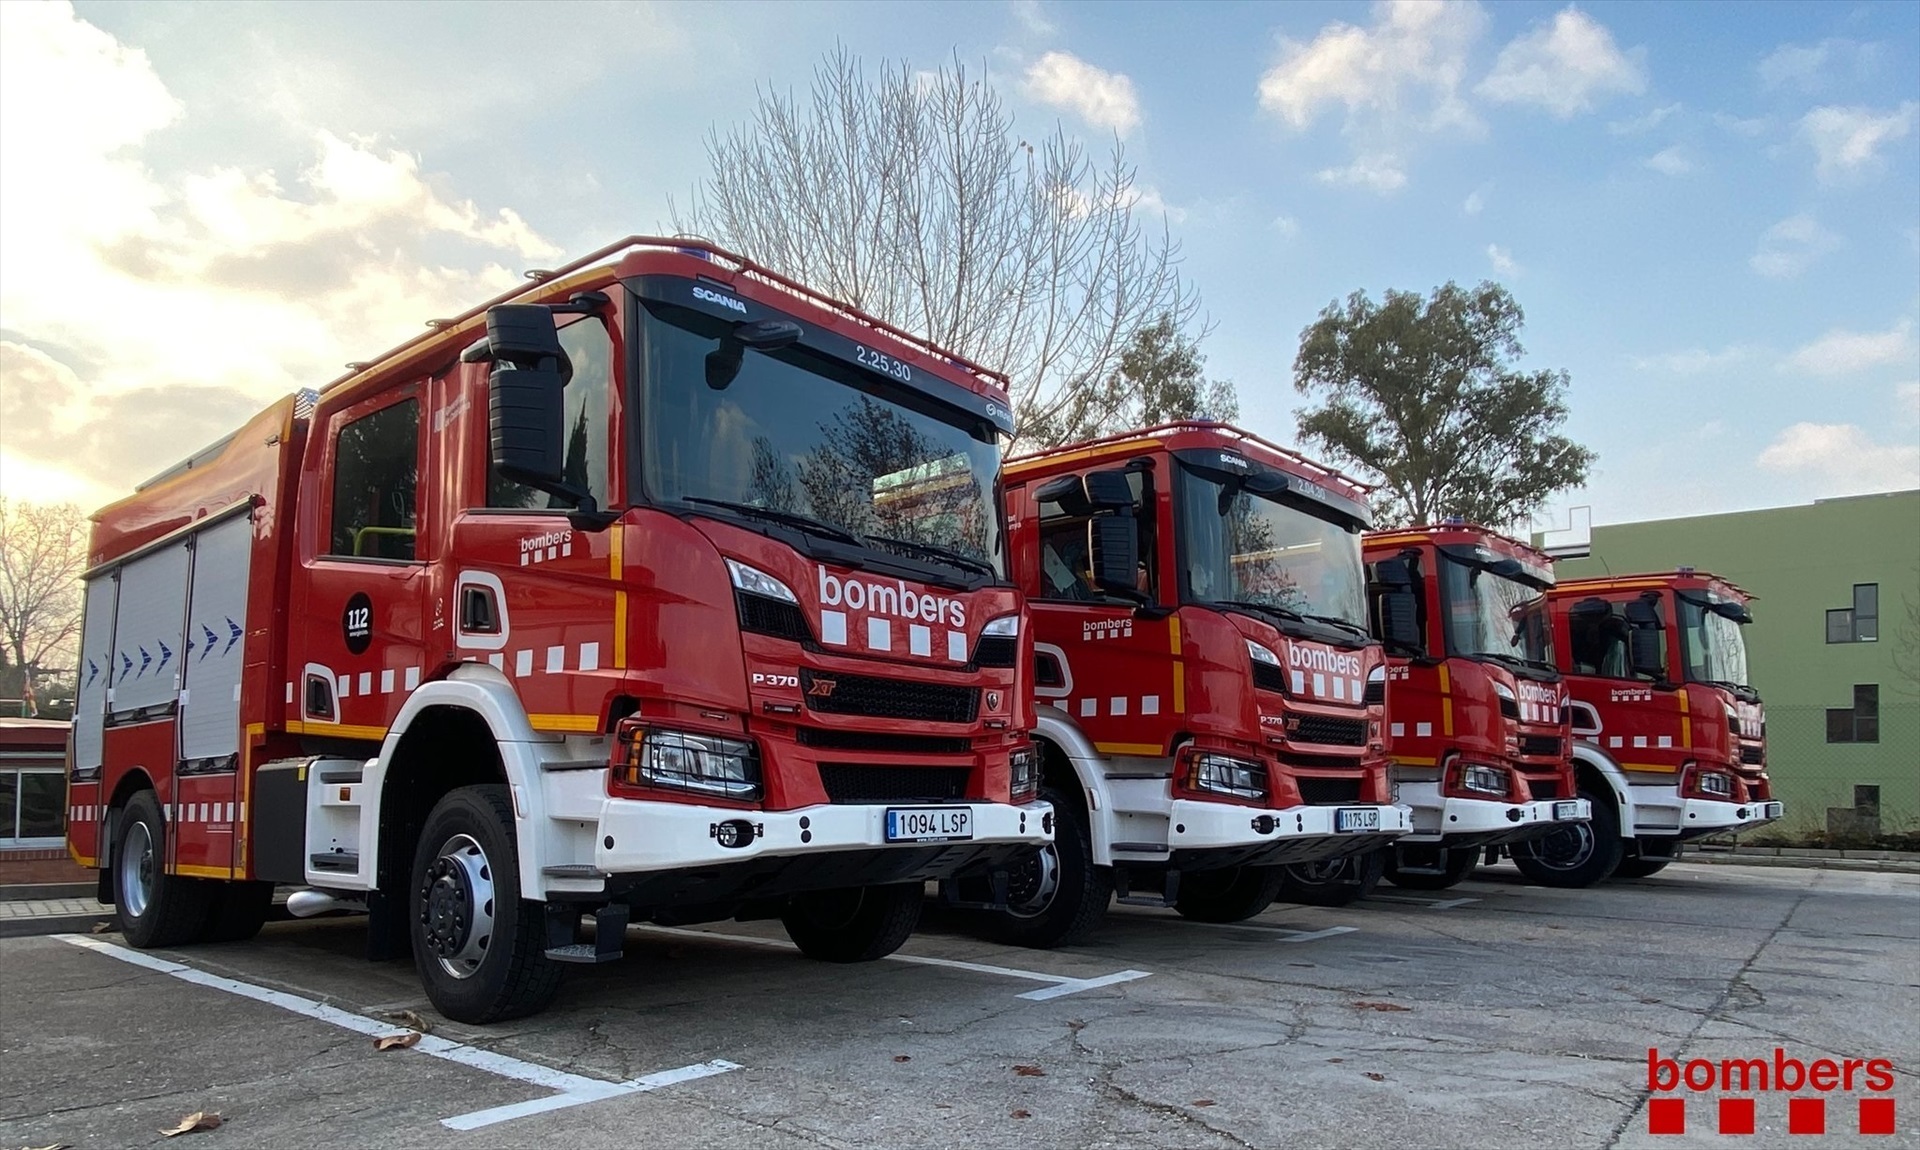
pixel 1336 1060
pixel 409 1018
pixel 194 1122
pixel 1376 1077
pixel 942 1106
pixel 396 1041
pixel 102 927
pixel 1021 1114
pixel 1383 1006
pixel 903 1058
pixel 1029 1072
pixel 1201 1102
pixel 1076 1024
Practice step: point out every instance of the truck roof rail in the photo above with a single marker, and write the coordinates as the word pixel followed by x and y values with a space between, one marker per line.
pixel 1162 430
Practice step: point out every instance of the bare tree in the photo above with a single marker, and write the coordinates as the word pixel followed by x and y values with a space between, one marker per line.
pixel 909 196
pixel 42 552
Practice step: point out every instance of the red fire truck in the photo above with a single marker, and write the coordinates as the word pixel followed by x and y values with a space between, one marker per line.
pixel 1669 737
pixel 1210 693
pixel 1477 715
pixel 661 589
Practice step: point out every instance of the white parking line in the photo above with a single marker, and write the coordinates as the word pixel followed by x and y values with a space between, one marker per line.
pixel 1430 904
pixel 572 1089
pixel 1061 985
pixel 1288 934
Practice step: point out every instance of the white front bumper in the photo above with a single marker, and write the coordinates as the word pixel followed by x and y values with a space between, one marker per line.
pixel 1660 811
pixel 1199 825
pixel 638 836
pixel 1436 816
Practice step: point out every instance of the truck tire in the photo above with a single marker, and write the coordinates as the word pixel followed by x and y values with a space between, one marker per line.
pixel 1231 894
pixel 1333 882
pixel 154 908
pixel 1641 867
pixel 1056 895
pixel 1455 865
pixel 480 948
pixel 238 911
pixel 1577 855
pixel 859 924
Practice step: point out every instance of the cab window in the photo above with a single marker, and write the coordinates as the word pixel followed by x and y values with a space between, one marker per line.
pixel 376 470
pixel 1599 643
pixel 1066 570
pixel 588 408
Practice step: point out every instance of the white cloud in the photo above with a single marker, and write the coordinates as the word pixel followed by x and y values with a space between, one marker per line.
pixel 1101 98
pixel 1843 458
pixel 1033 17
pixel 1149 200
pixel 1476 200
pixel 1670 161
pixel 1749 126
pixel 209 293
pixel 1412 53
pixel 1638 125
pixel 1906 401
pixel 1567 66
pixel 1287 226
pixel 1381 173
pixel 1808 66
pixel 1693 360
pixel 1502 261
pixel 1843 352
pixel 1792 246
pixel 1847 141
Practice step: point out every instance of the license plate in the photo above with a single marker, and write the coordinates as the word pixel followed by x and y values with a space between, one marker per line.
pixel 928 824
pixel 1771 811
pixel 1356 819
pixel 1565 811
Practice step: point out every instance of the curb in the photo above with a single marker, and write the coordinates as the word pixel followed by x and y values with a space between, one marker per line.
pixel 53 924
pixel 22 891
pixel 1900 864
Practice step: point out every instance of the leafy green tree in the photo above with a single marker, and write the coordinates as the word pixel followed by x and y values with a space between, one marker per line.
pixel 1426 395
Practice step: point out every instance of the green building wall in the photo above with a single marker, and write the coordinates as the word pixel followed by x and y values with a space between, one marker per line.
pixel 1801 562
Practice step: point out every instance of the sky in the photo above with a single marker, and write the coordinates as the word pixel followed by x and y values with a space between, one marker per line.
pixel 1710 213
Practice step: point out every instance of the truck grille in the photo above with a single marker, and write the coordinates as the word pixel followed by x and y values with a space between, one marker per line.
pixel 856 783
pixel 1753 756
pixel 881 742
pixel 996 651
pixel 1328 792
pixel 1268 677
pixel 771 617
pixel 1543 788
pixel 1376 691
pixel 1542 745
pixel 1333 732
pixel 888 698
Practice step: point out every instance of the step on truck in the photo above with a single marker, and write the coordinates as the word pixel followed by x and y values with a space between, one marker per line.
pixel 661 589
pixel 1669 736
pixel 1477 718
pixel 1210 695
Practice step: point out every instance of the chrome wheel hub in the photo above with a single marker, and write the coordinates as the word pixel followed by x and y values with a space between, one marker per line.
pixel 457 906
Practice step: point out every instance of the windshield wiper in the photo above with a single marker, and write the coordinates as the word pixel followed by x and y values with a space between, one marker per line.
pixel 1515 660
pixel 1265 608
pixel 1345 624
pixel 957 558
pixel 789 518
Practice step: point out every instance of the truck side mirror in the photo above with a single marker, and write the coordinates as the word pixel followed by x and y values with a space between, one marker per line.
pixel 1113 549
pixel 1110 491
pixel 1400 622
pixel 526 405
pixel 1644 631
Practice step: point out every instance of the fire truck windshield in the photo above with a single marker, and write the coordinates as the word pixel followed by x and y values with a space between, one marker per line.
pixel 1716 649
pixel 1247 549
pixel 802 439
pixel 1494 616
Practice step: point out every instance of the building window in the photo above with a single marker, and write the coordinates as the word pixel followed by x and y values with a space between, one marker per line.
pixel 32 807
pixel 1859 623
pixel 1859 723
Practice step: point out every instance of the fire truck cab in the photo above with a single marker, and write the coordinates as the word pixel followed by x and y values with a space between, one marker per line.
pixel 662 589
pixel 1210 696
pixel 1669 736
pixel 1477 717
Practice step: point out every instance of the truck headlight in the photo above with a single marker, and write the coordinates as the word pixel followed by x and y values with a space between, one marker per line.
pixel 1481 780
pixel 1226 775
pixel 685 761
pixel 1509 706
pixel 1717 783
pixel 1023 774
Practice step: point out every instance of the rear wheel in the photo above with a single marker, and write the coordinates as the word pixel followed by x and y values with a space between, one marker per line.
pixel 1055 895
pixel 480 949
pixel 154 908
pixel 1450 867
pixel 1333 882
pixel 238 912
pixel 1232 894
pixel 859 924
pixel 1577 854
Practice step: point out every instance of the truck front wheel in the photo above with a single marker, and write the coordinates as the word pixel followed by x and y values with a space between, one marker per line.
pixel 857 925
pixel 1333 882
pixel 1231 894
pixel 1451 867
pixel 479 948
pixel 1578 854
pixel 155 908
pixel 1056 895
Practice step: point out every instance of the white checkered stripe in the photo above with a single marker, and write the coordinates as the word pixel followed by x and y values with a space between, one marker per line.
pixel 1339 688
pixel 1539 712
pixel 545 659
pixel 890 637
pixel 1111 706
pixel 203 812
pixel 543 554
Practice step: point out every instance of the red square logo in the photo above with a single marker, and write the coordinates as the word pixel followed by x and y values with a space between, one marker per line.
pixel 1666 1116
pixel 1876 1116
pixel 1806 1116
pixel 1736 1116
